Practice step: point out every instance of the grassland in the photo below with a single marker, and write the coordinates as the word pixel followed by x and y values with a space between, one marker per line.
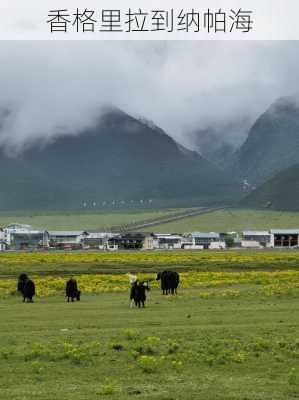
pixel 233 220
pixel 268 283
pixel 189 347
pixel 219 221
pixel 83 219
pixel 230 334
pixel 60 263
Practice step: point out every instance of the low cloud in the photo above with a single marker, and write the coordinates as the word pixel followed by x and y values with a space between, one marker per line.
pixel 51 88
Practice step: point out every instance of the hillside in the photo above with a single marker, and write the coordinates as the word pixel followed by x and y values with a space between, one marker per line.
pixel 272 144
pixel 121 158
pixel 279 193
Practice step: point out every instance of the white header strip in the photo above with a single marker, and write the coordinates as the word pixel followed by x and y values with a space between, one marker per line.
pixel 149 20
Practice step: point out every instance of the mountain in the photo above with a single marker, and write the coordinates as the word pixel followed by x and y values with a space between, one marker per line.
pixel 279 193
pixel 121 158
pixel 209 144
pixel 272 144
pixel 218 143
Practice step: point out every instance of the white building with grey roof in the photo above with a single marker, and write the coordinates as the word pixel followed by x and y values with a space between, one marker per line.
pixel 99 241
pixel 66 239
pixel 204 241
pixel 167 241
pixel 256 239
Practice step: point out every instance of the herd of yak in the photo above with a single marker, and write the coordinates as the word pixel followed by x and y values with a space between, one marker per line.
pixel 169 284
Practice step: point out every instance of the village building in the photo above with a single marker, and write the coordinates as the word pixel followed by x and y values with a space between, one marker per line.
pixel 3 245
pixel 167 241
pixel 14 228
pixel 31 240
pixel 130 241
pixel 149 242
pixel 112 243
pixel 66 239
pixel 99 241
pixel 284 237
pixel 204 241
pixel 256 239
pixel 23 237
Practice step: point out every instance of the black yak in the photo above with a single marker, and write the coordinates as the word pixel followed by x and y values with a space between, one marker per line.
pixel 71 290
pixel 169 281
pixel 138 293
pixel 26 287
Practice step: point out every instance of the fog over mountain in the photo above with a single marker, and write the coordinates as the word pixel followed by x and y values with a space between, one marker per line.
pixel 121 159
pixel 49 88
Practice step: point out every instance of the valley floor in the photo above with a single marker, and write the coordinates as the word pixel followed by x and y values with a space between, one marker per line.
pixel 217 221
pixel 90 219
pixel 232 347
pixel 230 334
pixel 88 263
pixel 236 220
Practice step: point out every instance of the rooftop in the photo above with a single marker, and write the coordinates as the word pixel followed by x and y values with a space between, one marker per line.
pixel 256 233
pixel 205 235
pixel 32 232
pixel 167 236
pixel 100 235
pixel 285 231
pixel 15 225
pixel 67 233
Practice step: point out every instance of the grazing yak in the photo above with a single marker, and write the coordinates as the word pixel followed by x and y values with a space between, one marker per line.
pixel 138 293
pixel 71 290
pixel 169 281
pixel 26 287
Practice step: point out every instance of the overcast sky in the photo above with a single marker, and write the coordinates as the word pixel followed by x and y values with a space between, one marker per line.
pixel 52 87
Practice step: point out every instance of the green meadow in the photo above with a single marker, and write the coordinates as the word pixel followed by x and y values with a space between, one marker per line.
pixel 89 219
pixel 230 220
pixel 224 346
pixel 231 333
pixel 218 221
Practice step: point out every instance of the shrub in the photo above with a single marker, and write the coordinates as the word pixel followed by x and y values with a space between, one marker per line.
pixel 74 353
pixel 108 388
pixel 131 334
pixel 176 364
pixel 148 364
pixel 36 367
pixel 149 346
